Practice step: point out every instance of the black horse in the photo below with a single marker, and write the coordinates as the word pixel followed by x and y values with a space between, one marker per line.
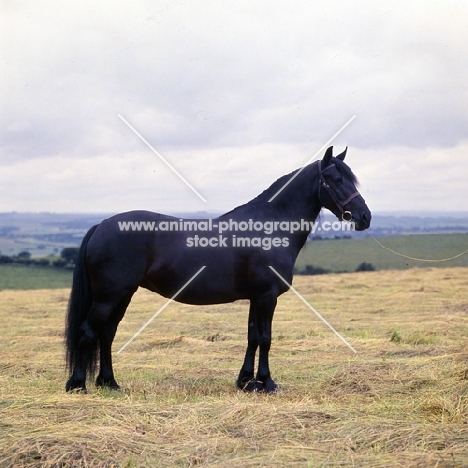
pixel 161 253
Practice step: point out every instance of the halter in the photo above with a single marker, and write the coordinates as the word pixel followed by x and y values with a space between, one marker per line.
pixel 345 215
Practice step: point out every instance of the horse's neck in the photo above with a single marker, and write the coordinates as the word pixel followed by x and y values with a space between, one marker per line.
pixel 300 200
pixel 283 201
pixel 300 203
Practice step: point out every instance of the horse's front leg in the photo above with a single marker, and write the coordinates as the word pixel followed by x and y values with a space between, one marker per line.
pixel 259 336
pixel 265 308
pixel 246 380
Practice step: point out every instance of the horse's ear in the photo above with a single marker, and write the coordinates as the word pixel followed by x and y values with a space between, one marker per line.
pixel 342 155
pixel 328 155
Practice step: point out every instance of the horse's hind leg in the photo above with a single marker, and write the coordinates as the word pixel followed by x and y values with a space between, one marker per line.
pixel 105 377
pixel 84 356
pixel 91 332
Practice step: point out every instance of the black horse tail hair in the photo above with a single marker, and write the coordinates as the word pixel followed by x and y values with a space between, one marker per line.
pixel 78 308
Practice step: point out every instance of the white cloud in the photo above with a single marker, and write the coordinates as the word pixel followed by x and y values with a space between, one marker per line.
pixel 417 180
pixel 235 93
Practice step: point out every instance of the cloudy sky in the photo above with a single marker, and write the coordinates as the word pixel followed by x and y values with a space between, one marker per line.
pixel 233 94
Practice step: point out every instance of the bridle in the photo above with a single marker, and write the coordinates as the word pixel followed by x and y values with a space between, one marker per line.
pixel 345 214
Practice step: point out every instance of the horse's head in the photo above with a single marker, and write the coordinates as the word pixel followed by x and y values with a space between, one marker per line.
pixel 338 193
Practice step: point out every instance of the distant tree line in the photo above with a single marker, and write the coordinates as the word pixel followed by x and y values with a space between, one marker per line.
pixel 67 259
pixel 312 270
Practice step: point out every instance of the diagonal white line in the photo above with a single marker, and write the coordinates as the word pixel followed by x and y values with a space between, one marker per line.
pixel 312 158
pixel 162 159
pixel 313 310
pixel 161 309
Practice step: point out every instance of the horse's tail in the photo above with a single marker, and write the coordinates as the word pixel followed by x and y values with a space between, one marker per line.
pixel 78 307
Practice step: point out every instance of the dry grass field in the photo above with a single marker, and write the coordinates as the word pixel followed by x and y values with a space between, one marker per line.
pixel 401 401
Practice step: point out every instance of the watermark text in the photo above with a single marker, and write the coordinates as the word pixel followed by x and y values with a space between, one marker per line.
pixel 228 232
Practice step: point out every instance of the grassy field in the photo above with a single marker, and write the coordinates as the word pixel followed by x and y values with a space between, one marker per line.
pixel 20 277
pixel 402 401
pixel 347 254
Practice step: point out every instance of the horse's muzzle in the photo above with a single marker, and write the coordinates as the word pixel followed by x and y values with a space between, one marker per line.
pixel 362 222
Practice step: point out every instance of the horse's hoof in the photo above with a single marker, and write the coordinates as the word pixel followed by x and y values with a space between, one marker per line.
pixel 273 391
pixel 75 387
pixel 251 386
pixel 108 383
pixel 270 387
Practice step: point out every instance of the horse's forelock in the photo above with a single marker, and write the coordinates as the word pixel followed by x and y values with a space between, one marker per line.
pixel 346 172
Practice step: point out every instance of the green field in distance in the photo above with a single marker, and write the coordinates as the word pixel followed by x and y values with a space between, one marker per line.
pixel 336 255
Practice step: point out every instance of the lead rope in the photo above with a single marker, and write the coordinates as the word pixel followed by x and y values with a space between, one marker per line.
pixel 418 259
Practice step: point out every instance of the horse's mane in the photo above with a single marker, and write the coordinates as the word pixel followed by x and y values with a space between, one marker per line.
pixel 264 196
pixel 343 168
pixel 274 187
